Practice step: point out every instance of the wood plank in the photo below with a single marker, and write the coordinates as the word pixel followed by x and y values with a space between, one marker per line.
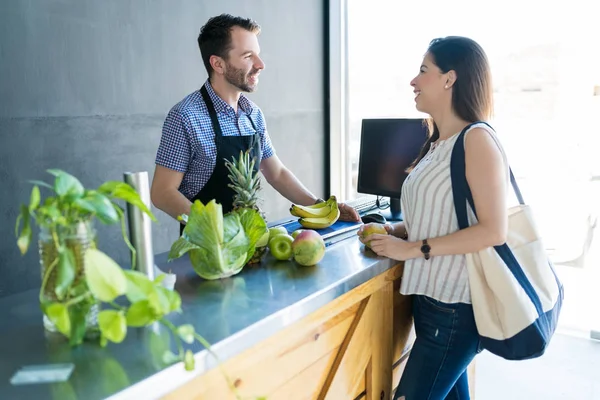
pixel 382 343
pixel 306 350
pixel 343 348
pixel 306 384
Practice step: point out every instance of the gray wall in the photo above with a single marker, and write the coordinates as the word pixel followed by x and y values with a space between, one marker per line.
pixel 85 86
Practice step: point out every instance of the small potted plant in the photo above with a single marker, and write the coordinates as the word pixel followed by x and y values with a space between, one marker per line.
pixel 65 222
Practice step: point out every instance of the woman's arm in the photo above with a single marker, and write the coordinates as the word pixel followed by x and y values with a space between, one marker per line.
pixel 486 175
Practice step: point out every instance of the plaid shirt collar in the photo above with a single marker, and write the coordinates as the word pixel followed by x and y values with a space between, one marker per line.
pixel 221 106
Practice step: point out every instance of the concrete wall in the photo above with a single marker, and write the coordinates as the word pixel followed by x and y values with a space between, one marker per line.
pixel 85 86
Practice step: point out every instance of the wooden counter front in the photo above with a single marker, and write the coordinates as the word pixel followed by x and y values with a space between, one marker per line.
pixel 352 348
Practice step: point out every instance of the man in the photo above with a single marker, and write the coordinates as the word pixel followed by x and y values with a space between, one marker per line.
pixel 217 122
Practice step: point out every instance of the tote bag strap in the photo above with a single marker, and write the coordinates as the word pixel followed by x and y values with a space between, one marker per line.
pixel 462 192
pixel 460 186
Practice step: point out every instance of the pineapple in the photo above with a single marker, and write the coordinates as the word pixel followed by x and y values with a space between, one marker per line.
pixel 246 185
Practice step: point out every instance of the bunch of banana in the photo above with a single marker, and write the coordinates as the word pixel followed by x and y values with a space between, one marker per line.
pixel 318 216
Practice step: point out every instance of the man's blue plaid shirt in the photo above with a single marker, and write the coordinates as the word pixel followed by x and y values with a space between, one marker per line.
pixel 188 141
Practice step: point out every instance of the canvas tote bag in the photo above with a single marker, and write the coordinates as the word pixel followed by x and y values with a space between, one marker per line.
pixel 515 292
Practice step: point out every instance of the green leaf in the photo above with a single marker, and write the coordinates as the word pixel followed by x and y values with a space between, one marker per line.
pixel 123 191
pixel 24 238
pixel 170 358
pixel 104 277
pixel 159 302
pixel 66 272
pixel 140 314
pixel 139 286
pixel 113 325
pixel 34 199
pixel 173 298
pixel 100 205
pixel 77 314
pixel 223 244
pixel 186 333
pixel 158 280
pixel 41 183
pixel 180 247
pixel 59 315
pixel 66 184
pixel 188 360
pixel 254 227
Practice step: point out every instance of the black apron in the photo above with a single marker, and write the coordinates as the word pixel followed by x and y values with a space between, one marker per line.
pixel 228 147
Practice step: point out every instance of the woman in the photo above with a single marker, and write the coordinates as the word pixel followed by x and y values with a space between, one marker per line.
pixel 454 87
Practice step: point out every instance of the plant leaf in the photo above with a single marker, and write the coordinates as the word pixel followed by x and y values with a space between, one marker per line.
pixel 180 247
pixel 254 227
pixel 77 314
pixel 173 297
pixel 123 191
pixel 169 358
pixel 59 315
pixel 100 205
pixel 186 333
pixel 139 286
pixel 140 314
pixel 159 302
pixel 34 199
pixel 104 277
pixel 65 274
pixel 24 238
pixel 66 184
pixel 41 183
pixel 188 360
pixel 113 325
pixel 223 245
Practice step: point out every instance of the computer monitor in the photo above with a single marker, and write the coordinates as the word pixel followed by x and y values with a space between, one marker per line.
pixel 387 148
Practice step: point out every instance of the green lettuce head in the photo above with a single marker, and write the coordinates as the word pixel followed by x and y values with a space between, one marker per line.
pixel 219 246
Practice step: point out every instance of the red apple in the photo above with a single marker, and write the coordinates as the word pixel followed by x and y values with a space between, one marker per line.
pixel 308 248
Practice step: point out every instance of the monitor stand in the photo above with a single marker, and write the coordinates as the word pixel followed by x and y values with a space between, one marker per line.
pixel 393 213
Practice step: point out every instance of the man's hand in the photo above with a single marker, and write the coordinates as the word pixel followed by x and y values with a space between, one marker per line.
pixel 347 213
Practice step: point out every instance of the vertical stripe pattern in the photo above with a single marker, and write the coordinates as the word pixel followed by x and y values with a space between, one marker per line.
pixel 428 208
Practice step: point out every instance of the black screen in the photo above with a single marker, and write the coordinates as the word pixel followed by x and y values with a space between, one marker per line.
pixel 387 148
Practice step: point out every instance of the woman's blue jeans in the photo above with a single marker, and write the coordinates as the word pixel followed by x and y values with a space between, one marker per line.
pixel 446 343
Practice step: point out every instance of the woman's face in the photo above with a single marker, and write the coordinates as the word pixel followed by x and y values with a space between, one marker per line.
pixel 429 86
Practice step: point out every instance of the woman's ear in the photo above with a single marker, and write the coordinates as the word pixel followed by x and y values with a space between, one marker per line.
pixel 450 79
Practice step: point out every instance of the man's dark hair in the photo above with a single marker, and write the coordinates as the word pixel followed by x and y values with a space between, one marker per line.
pixel 215 36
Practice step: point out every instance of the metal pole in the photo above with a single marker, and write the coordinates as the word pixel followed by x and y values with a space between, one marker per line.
pixel 140 229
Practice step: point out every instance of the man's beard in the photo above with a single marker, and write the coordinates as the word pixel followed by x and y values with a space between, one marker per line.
pixel 239 78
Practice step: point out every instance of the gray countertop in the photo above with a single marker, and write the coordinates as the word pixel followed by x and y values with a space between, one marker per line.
pixel 233 314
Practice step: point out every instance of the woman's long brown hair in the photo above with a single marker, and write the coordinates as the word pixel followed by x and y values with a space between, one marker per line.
pixel 472 92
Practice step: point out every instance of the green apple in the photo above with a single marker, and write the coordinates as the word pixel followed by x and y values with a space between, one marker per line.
pixel 278 230
pixel 281 246
pixel 264 239
pixel 297 232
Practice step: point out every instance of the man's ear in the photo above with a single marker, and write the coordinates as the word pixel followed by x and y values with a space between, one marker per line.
pixel 217 64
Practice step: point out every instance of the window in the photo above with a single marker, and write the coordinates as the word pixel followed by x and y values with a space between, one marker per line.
pixel 546 77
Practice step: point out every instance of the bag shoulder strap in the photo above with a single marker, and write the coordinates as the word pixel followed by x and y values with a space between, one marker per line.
pixel 460 187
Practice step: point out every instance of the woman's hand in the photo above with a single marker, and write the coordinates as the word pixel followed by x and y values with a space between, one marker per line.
pixel 371 227
pixel 392 247
pixel 388 245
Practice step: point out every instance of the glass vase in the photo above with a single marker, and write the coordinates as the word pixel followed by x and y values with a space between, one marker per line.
pixel 78 238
